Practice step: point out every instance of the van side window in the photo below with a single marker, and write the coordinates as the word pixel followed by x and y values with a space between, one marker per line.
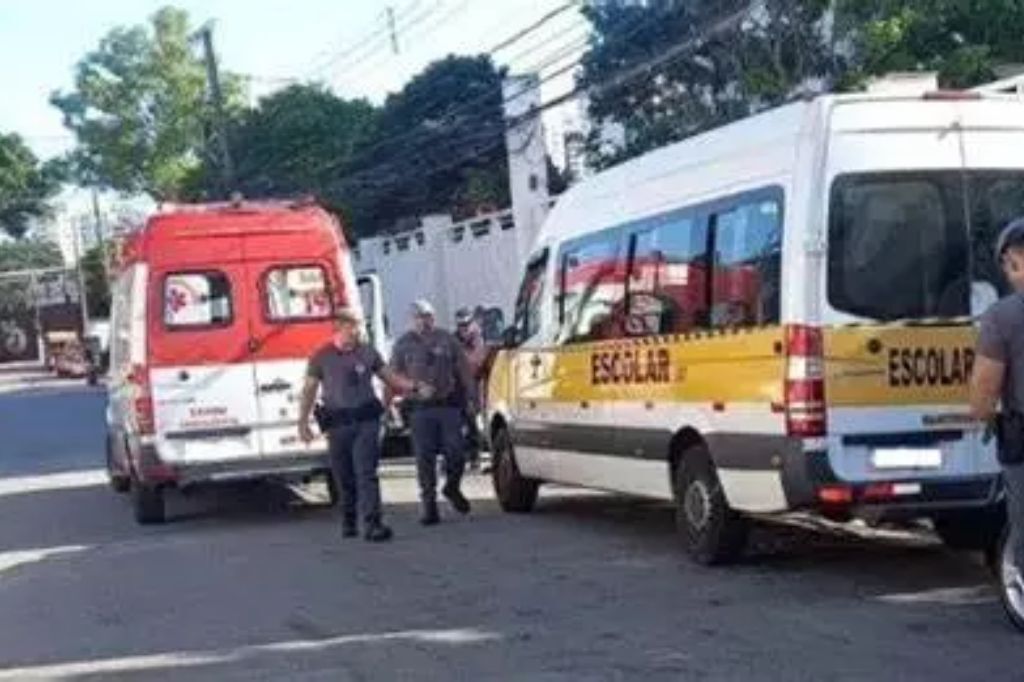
pixel 748 265
pixel 668 277
pixel 197 299
pixel 297 293
pixel 593 289
pixel 531 295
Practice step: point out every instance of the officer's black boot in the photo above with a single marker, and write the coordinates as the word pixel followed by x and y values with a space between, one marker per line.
pixel 348 527
pixel 377 531
pixel 454 495
pixel 430 515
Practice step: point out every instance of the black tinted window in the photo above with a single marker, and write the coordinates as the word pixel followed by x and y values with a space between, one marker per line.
pixel 897 247
pixel 593 288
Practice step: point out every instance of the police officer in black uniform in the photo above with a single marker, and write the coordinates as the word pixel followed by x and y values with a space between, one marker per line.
pixel 350 414
pixel 435 359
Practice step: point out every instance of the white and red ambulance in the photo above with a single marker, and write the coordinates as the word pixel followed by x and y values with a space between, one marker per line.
pixel 215 310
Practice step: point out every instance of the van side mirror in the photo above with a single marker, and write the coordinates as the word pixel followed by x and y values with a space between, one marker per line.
pixel 510 338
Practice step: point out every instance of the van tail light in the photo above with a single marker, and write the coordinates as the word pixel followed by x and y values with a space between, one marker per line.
pixel 806 416
pixel 142 402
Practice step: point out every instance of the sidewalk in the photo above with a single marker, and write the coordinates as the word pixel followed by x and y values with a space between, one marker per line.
pixel 17 376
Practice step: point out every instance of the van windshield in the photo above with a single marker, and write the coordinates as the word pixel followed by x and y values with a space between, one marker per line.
pixel 908 245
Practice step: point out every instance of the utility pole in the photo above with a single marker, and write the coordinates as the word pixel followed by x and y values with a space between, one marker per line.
pixel 205 36
pixel 80 272
pixel 392 30
pixel 97 226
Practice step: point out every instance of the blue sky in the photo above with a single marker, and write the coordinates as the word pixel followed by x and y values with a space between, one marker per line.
pixel 41 40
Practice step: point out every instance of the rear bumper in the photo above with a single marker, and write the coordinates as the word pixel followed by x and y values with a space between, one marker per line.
pixel 767 474
pixel 152 470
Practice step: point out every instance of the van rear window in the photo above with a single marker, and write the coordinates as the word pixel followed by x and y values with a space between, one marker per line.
pixel 297 293
pixel 197 299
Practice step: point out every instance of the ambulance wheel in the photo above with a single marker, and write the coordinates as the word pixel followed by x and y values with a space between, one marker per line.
pixel 148 503
pixel 119 481
pixel 516 493
pixel 711 531
pixel 974 530
pixel 1011 583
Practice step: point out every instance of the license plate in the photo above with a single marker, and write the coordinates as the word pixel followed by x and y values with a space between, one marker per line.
pixel 907 458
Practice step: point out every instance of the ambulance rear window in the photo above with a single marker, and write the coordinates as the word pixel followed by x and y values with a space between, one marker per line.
pixel 297 293
pixel 197 299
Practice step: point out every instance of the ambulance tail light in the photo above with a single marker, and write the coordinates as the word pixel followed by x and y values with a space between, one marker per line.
pixel 805 382
pixel 142 403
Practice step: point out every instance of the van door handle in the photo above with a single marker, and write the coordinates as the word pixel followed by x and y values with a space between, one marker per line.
pixel 183 376
pixel 254 345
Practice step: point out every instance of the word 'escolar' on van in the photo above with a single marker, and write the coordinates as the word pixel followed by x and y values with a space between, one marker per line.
pixel 216 310
pixel 771 316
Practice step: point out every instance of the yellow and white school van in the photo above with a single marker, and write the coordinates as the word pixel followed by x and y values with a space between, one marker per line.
pixel 772 316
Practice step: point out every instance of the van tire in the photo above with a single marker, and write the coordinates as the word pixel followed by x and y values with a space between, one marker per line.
pixel 148 504
pixel 119 481
pixel 712 532
pixel 516 494
pixel 1011 596
pixel 974 530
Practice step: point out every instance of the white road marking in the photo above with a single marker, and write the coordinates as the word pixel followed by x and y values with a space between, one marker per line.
pixel 948 596
pixel 197 658
pixel 17 485
pixel 9 560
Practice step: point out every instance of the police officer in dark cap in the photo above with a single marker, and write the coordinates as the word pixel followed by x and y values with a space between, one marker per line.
pixel 350 413
pixel 997 396
pixel 434 358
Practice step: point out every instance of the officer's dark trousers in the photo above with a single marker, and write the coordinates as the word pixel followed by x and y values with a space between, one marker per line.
pixel 437 430
pixel 1013 475
pixel 355 453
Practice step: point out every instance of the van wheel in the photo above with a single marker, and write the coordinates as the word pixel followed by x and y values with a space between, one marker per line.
pixel 119 481
pixel 148 504
pixel 1011 582
pixel 711 531
pixel 516 493
pixel 974 530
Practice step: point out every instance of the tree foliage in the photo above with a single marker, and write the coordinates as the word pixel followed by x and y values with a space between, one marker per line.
pixel 964 41
pixel 28 254
pixel 25 186
pixel 751 63
pixel 298 140
pixel 97 288
pixel 438 146
pixel 138 109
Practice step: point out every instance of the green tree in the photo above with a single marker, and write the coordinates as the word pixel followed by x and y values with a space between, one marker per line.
pixel 25 186
pixel 438 146
pixel 743 66
pixel 29 253
pixel 139 110
pixel 964 41
pixel 97 288
pixel 298 140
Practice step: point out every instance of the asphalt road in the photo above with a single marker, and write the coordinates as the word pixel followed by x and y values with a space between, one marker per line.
pixel 255 584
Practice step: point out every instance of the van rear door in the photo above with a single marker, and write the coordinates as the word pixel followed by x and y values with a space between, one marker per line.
pixel 204 395
pixel 899 340
pixel 291 320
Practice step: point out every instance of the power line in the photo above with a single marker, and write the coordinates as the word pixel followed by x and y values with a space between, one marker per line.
pixel 616 80
pixel 519 35
pixel 370 38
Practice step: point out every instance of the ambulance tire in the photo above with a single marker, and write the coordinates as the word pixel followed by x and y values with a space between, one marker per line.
pixel 712 532
pixel 148 504
pixel 516 494
pixel 974 531
pixel 119 481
